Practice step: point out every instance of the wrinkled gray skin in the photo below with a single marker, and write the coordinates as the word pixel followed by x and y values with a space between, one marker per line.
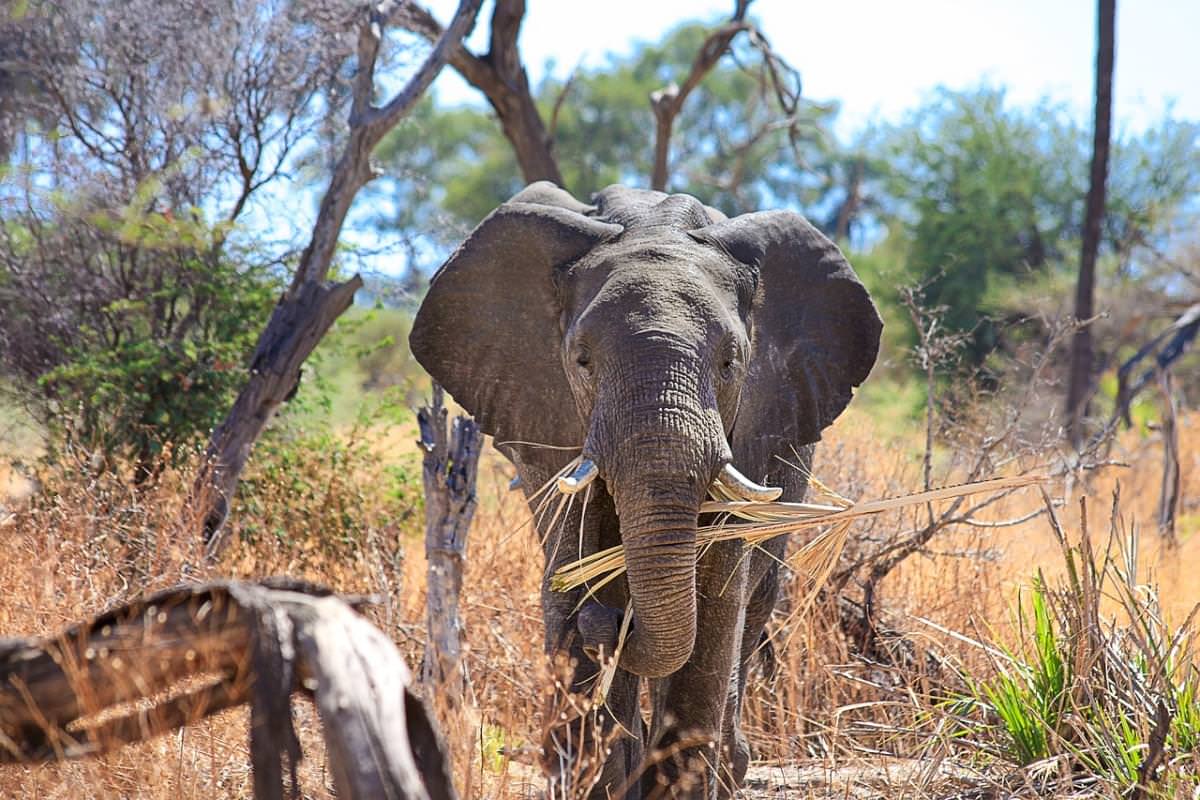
pixel 667 341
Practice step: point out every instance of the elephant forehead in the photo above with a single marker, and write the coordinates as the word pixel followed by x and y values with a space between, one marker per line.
pixel 651 262
pixel 673 297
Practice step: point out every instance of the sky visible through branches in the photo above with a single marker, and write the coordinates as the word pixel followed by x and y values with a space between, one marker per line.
pixel 876 60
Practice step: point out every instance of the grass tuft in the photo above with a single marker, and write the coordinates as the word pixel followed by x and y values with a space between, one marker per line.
pixel 1100 685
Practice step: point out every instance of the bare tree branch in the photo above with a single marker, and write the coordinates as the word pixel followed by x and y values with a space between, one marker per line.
pixel 668 101
pixel 775 76
pixel 311 304
pixel 501 77
pixel 560 100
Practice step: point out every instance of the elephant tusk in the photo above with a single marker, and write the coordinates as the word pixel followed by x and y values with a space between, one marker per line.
pixel 579 479
pixel 742 488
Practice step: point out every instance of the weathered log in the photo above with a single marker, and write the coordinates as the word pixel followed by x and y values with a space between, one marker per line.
pixel 192 651
pixel 450 467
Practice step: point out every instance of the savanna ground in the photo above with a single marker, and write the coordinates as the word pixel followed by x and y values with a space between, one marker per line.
pixel 343 508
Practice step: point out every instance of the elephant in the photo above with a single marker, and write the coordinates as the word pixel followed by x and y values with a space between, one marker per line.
pixel 670 347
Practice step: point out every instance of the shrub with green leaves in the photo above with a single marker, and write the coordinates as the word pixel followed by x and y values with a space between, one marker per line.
pixel 1101 691
pixel 325 493
pixel 126 332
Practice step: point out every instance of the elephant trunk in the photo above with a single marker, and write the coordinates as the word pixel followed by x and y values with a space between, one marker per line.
pixel 659 536
pixel 658 457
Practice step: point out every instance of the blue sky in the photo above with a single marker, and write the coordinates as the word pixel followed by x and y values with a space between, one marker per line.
pixel 879 58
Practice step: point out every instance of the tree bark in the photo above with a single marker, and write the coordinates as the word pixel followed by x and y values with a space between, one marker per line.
pixel 1169 496
pixel 449 470
pixel 848 210
pixel 1082 351
pixel 68 696
pixel 312 303
pixel 500 76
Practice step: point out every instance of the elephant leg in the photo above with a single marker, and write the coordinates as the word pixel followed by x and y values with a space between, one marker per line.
pixel 620 730
pixel 758 610
pixel 735 750
pixel 597 748
pixel 690 706
pixel 587 746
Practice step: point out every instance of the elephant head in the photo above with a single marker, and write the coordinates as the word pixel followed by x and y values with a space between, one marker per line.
pixel 661 338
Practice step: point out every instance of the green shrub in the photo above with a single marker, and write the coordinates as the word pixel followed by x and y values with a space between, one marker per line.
pixel 1110 700
pixel 128 330
pixel 321 491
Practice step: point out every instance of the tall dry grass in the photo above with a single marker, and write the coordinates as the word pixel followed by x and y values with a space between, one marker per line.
pixel 87 543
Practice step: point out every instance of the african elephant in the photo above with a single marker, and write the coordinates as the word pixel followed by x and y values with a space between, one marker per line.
pixel 669 343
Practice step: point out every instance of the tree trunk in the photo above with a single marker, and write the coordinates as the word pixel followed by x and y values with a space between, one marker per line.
pixel 523 127
pixel 848 210
pixel 1169 496
pixel 449 471
pixel 312 303
pixel 1082 354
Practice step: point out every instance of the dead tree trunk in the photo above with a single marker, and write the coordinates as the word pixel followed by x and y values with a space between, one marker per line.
pixel 183 654
pixel 500 76
pixel 1168 503
pixel 312 302
pixel 449 468
pixel 1082 353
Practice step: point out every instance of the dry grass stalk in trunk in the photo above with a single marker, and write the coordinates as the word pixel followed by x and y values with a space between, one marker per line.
pixel 765 521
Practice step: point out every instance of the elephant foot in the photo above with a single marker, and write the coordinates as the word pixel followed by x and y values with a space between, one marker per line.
pixel 679 769
pixel 734 767
pixel 600 627
pixel 592 756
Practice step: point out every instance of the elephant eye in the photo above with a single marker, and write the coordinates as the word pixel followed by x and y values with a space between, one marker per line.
pixel 584 361
pixel 730 363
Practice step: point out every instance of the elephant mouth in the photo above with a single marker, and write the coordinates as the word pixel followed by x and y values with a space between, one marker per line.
pixel 730 484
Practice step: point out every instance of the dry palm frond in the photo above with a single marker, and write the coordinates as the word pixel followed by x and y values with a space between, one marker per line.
pixel 765 521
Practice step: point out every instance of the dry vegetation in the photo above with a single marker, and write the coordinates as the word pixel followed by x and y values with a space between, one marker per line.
pixel 824 722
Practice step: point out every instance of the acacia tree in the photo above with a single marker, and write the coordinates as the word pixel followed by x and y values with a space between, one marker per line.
pixel 138 134
pixel 1082 352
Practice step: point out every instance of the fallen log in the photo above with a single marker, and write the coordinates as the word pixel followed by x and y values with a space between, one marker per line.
pixel 177 656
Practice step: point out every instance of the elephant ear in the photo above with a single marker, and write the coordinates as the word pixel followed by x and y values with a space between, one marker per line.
pixel 488 329
pixel 816 331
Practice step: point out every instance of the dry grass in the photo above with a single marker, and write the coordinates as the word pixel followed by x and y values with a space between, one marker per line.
pixel 823 713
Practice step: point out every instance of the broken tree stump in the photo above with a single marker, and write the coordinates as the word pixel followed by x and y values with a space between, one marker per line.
pixel 449 470
pixel 1170 495
pixel 185 653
